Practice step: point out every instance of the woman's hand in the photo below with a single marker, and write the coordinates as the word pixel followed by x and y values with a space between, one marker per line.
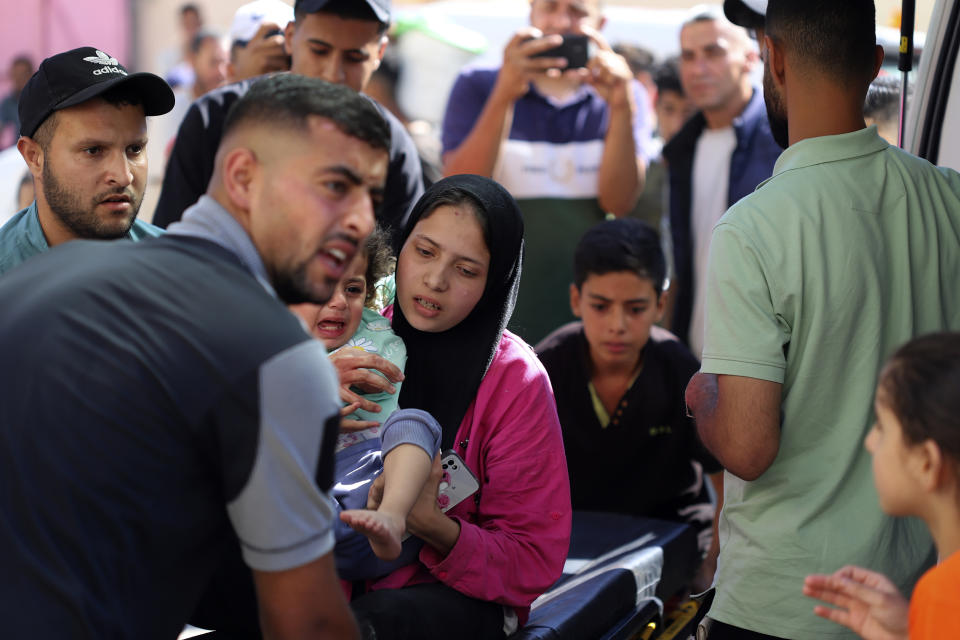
pixel 866 602
pixel 353 369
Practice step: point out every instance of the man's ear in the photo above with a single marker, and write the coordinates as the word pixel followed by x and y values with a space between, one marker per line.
pixel 775 61
pixel 32 154
pixel 877 62
pixel 381 49
pixel 240 169
pixel 288 37
pixel 575 300
pixel 751 58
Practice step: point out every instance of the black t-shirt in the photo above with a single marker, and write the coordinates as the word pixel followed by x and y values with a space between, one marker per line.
pixel 191 161
pixel 154 399
pixel 640 464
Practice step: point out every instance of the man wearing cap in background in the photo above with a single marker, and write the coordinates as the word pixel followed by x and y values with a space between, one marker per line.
pixel 340 41
pixel 83 137
pixel 256 39
pixel 720 155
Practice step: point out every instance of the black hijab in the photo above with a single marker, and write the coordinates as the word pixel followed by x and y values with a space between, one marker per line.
pixel 444 370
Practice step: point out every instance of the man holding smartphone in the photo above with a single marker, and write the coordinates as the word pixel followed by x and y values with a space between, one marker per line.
pixel 566 142
pixel 256 39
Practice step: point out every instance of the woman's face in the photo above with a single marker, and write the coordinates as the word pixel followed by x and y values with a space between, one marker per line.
pixel 442 269
pixel 335 322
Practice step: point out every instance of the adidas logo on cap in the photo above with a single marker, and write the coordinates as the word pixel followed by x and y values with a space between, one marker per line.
pixel 102 58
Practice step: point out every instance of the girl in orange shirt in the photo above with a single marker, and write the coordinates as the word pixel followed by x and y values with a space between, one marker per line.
pixel 915 444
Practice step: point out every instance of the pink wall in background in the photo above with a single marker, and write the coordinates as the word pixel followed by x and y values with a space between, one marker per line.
pixel 41 28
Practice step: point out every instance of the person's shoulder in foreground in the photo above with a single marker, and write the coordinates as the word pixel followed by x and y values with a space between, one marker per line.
pixel 851 164
pixel 22 237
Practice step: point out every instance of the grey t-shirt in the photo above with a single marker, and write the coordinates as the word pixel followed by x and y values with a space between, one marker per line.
pixel 141 427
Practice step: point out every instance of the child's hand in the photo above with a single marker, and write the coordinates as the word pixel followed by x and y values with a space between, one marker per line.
pixel 867 602
pixel 349 426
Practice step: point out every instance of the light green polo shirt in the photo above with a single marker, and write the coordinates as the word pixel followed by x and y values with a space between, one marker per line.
pixel 22 237
pixel 848 251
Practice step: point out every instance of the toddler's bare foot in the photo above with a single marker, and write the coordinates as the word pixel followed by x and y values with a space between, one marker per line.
pixel 383 530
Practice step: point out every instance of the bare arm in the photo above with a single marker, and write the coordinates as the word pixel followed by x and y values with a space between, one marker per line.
pixel 704 577
pixel 622 172
pixel 479 151
pixel 738 420
pixel 304 603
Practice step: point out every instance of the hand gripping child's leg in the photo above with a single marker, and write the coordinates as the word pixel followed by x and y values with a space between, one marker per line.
pixel 410 439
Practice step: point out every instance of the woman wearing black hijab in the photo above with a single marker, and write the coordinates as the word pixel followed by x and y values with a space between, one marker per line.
pixel 488 558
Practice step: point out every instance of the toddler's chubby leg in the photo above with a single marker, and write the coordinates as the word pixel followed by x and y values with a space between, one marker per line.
pixel 408 437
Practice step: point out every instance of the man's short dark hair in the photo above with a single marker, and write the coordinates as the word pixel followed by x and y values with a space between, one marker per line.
pixel 119 96
pixel 349 9
pixel 667 77
pixel 626 244
pixel 202 36
pixel 835 37
pixel 190 7
pixel 288 100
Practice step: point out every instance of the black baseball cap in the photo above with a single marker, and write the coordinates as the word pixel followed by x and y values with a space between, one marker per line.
pixel 749 14
pixel 69 78
pixel 379 9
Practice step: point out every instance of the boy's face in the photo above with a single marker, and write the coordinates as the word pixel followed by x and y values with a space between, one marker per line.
pixel 673 110
pixel 617 310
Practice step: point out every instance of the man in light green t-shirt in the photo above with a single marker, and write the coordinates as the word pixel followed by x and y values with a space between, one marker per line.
pixel 849 250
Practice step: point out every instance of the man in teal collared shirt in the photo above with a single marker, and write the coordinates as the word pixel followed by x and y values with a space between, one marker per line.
pixel 83 137
pixel 848 251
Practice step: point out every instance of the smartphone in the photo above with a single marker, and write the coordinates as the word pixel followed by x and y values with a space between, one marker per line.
pixel 575 48
pixel 457 483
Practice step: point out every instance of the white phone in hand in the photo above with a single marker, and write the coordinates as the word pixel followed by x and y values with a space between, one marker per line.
pixel 457 483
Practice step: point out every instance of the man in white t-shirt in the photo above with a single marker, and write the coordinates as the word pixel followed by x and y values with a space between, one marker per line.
pixel 719 156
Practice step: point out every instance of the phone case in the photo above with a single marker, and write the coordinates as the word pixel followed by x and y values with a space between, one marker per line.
pixel 457 483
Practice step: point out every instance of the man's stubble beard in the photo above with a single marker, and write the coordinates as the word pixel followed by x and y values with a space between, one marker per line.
pixel 68 208
pixel 776 111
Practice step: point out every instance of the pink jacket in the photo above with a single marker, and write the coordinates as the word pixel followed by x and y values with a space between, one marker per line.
pixel 512 544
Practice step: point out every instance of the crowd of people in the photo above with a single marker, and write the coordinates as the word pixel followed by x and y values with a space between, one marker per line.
pixel 321 396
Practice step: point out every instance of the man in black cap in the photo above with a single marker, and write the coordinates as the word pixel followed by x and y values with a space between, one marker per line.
pixel 146 429
pixel 340 41
pixel 83 135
